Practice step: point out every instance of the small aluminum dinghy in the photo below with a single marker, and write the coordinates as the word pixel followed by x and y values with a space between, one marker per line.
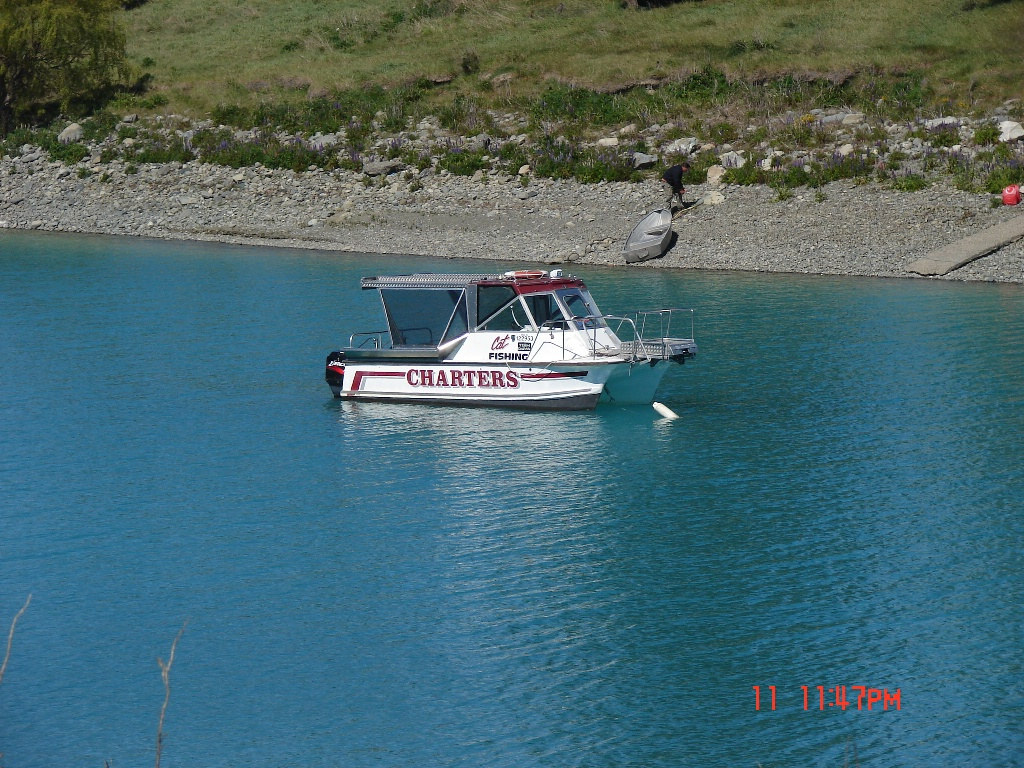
pixel 650 238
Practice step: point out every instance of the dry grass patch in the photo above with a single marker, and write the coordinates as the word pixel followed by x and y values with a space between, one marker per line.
pixel 595 43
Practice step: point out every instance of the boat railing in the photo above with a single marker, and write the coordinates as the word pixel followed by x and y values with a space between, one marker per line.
pixel 588 325
pixel 376 337
pixel 644 336
pixel 625 326
pixel 660 334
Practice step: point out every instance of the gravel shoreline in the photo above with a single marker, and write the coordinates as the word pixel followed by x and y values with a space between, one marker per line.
pixel 843 229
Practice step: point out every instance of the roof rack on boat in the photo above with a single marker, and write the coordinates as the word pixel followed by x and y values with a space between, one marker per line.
pixel 425 280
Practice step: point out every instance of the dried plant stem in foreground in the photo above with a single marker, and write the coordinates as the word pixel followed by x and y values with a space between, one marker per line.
pixel 165 673
pixel 10 637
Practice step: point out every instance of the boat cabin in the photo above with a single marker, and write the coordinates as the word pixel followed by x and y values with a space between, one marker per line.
pixel 433 311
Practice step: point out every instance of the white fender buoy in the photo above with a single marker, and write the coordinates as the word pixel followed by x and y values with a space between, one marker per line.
pixel 665 411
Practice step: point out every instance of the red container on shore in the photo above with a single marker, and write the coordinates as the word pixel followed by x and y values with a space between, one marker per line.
pixel 1011 195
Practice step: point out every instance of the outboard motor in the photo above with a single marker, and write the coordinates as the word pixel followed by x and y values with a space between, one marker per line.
pixel 335 375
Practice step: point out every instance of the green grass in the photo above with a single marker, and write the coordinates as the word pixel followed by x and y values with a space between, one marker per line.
pixel 209 52
pixel 910 183
pixel 69 154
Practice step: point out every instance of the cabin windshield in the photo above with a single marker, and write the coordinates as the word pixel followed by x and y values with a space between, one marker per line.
pixel 580 305
pixel 420 317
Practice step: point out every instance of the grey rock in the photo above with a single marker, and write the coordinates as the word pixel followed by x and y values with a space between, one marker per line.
pixel 941 122
pixel 526 194
pixel 733 160
pixel 642 160
pixel 715 174
pixel 72 133
pixel 1010 130
pixel 323 142
pixel 683 146
pixel 478 142
pixel 382 167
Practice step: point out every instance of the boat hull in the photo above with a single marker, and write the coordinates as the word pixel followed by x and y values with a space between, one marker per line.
pixel 650 238
pixel 500 386
pixel 634 384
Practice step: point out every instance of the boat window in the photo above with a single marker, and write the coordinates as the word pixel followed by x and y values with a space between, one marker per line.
pixel 544 309
pixel 458 326
pixel 581 305
pixel 512 318
pixel 418 318
pixel 491 299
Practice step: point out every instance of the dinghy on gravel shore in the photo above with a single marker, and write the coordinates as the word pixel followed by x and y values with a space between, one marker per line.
pixel 650 238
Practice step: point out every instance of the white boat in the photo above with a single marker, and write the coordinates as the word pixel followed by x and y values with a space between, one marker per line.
pixel 650 238
pixel 524 339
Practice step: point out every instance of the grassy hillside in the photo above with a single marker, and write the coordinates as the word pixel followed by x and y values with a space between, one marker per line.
pixel 205 52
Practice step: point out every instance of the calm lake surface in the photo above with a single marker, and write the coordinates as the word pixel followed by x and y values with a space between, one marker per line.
pixel 840 503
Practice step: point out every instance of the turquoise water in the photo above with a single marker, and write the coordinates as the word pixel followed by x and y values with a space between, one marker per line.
pixel 840 503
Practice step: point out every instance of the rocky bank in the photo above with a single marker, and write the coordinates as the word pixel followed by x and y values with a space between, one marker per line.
pixel 845 228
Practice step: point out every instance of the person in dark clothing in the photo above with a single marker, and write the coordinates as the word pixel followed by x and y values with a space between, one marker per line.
pixel 673 179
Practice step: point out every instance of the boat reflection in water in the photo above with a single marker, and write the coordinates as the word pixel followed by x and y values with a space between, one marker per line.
pixel 524 339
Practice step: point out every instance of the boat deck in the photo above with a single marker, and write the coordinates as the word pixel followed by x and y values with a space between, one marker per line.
pixel 660 349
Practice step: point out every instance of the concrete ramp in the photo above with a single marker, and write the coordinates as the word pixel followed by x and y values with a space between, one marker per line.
pixel 955 255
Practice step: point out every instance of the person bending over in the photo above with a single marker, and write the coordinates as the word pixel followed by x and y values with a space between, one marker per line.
pixel 673 180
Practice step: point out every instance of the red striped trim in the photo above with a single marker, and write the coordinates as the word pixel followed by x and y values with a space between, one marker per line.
pixel 551 375
pixel 360 375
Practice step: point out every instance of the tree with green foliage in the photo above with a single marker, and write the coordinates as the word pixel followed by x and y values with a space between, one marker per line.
pixel 56 51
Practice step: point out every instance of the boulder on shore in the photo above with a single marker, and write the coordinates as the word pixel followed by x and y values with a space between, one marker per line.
pixel 715 174
pixel 72 133
pixel 642 160
pixel 1010 131
pixel 382 167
